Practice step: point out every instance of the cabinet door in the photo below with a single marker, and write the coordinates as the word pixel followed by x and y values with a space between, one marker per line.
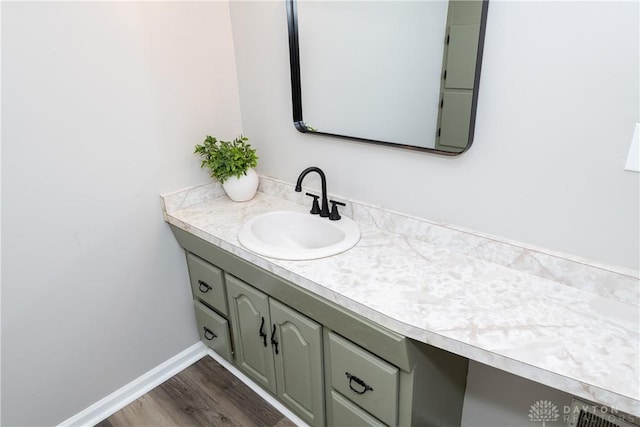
pixel 250 324
pixel 297 344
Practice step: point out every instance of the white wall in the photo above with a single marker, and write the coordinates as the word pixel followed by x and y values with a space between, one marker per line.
pixel 558 102
pixel 557 107
pixel 102 103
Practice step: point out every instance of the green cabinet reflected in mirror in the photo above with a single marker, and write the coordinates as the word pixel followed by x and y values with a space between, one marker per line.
pixel 404 73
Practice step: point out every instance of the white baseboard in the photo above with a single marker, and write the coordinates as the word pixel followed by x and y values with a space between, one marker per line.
pixel 156 376
pixel 136 388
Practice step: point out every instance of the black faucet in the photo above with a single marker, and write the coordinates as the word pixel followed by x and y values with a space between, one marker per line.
pixel 324 210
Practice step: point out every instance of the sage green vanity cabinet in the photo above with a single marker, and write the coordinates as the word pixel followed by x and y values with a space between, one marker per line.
pixel 207 283
pixel 366 380
pixel 346 413
pixel 214 330
pixel 279 348
pixel 329 365
pixel 250 324
pixel 210 303
pixel 299 374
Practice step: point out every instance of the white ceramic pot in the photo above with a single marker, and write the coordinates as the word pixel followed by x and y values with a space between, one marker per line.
pixel 243 188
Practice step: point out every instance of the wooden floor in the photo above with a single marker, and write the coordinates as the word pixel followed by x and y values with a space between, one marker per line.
pixel 204 394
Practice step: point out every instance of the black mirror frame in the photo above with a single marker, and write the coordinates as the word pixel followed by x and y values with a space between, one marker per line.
pixel 296 86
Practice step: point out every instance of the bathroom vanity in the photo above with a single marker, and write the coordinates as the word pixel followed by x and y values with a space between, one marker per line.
pixel 382 334
pixel 311 353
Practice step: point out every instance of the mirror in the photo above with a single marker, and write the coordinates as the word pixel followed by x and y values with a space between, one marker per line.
pixel 395 72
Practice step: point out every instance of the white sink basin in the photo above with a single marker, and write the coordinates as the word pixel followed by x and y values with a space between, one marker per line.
pixel 294 235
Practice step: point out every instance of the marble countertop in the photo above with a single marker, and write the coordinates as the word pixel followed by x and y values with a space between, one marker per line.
pixel 468 302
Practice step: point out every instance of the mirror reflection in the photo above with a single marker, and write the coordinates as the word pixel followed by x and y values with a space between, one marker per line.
pixel 397 72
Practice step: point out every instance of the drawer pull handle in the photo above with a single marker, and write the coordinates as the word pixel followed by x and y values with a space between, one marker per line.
pixel 262 334
pixel 364 387
pixel 208 334
pixel 204 288
pixel 274 343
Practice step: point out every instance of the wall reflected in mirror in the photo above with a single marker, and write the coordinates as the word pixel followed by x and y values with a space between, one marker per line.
pixel 397 72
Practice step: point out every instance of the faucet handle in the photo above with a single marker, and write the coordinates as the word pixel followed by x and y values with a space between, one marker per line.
pixel 335 215
pixel 315 208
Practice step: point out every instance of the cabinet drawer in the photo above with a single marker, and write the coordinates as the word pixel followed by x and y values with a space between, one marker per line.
pixel 214 330
pixel 345 413
pixel 364 379
pixel 207 283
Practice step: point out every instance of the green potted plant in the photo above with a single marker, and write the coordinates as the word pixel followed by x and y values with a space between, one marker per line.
pixel 231 163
